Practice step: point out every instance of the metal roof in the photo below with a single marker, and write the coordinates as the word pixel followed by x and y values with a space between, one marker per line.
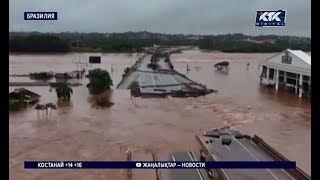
pixel 301 55
pixel 23 91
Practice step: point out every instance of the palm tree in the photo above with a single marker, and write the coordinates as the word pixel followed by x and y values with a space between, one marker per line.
pixel 44 107
pixel 47 106
pixel 51 106
pixel 64 91
pixel 54 107
pixel 39 107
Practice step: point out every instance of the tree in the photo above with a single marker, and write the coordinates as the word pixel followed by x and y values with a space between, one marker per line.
pixel 38 43
pixel 139 49
pixel 51 106
pixel 39 107
pixel 100 80
pixel 64 91
pixel 16 104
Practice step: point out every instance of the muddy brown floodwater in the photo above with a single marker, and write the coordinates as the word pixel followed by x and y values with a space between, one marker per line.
pixel 80 131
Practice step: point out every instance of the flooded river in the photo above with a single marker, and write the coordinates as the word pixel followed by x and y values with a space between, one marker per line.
pixel 80 131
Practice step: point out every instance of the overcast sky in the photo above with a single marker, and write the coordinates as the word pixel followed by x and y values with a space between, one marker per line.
pixel 163 16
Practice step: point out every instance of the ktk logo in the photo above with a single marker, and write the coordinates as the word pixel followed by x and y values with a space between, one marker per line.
pixel 271 16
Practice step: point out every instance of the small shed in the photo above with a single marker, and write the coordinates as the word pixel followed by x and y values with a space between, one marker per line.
pixel 24 94
pixel 290 69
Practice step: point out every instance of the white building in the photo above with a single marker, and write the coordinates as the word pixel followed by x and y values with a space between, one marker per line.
pixel 290 69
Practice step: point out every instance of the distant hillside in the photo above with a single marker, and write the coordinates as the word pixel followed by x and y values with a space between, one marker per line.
pixel 135 41
pixel 242 43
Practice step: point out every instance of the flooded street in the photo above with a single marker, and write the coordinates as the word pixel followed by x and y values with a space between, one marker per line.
pixel 80 131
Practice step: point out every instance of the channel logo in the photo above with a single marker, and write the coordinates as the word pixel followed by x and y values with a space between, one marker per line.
pixel 138 164
pixel 271 18
pixel 40 16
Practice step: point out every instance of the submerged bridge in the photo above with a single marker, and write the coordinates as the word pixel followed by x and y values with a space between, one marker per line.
pixel 154 75
pixel 214 148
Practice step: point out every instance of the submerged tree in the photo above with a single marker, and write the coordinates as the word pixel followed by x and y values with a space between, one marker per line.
pixel 45 107
pixel 39 107
pixel 64 91
pixel 16 104
pixel 100 80
pixel 51 106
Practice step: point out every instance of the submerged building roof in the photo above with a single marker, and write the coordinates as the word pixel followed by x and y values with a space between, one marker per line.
pixel 302 55
pixel 295 61
pixel 22 92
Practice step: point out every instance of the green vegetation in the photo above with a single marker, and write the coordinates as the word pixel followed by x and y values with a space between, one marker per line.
pixel 41 75
pixel 38 43
pixel 134 88
pixel 247 44
pixel 16 104
pixel 87 49
pixel 45 107
pixel 64 91
pixel 127 72
pixel 134 85
pixel 100 80
pixel 135 41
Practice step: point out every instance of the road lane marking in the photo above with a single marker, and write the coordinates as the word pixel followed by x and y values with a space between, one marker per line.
pixel 174 81
pixel 281 169
pixel 154 83
pixel 251 154
pixel 227 147
pixel 159 75
pixel 172 157
pixel 197 168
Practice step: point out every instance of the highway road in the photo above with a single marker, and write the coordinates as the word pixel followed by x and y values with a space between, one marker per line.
pixel 241 149
pixel 160 81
